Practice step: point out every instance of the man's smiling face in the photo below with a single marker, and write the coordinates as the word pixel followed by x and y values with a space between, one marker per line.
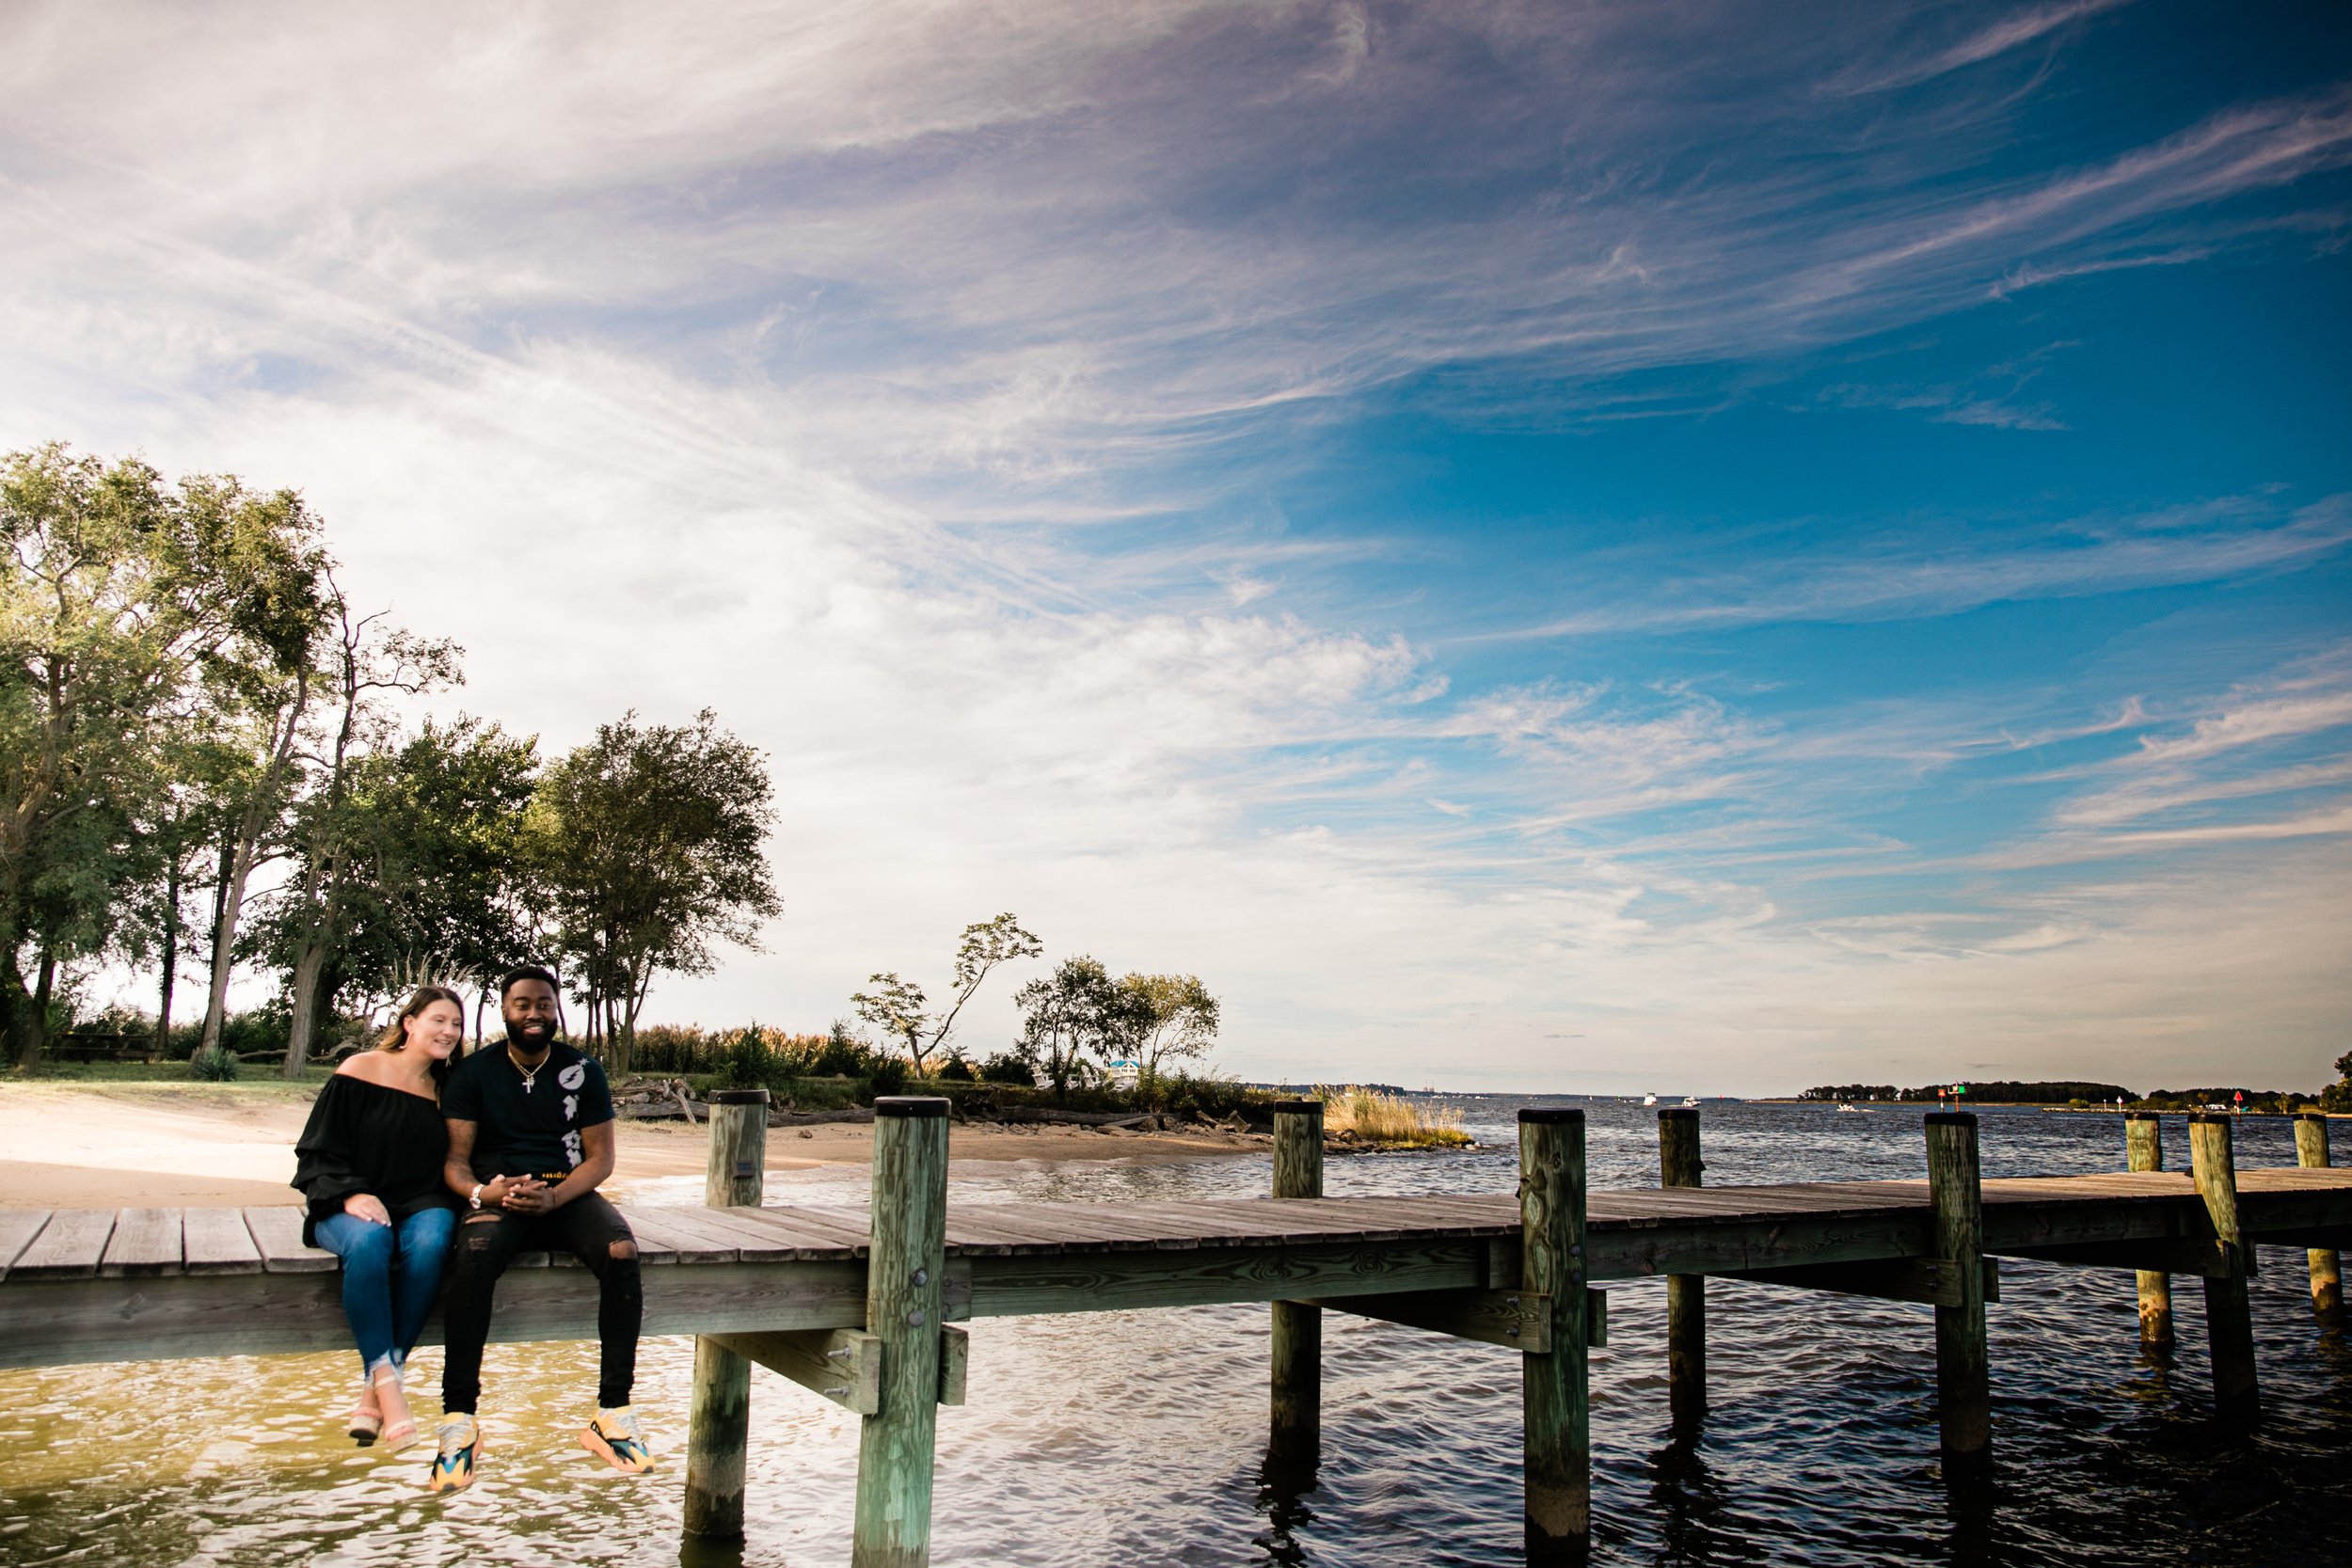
pixel 529 1010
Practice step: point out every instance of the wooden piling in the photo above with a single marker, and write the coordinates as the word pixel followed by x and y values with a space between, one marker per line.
pixel 1557 1396
pixel 719 1419
pixel 2143 1149
pixel 1679 1166
pixel 906 1262
pixel 2229 1316
pixel 2310 1150
pixel 1297 1438
pixel 1964 1392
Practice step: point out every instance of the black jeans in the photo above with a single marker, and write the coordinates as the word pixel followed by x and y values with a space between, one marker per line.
pixel 592 1230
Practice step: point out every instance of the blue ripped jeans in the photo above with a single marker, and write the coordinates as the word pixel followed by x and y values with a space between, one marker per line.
pixel 392 1273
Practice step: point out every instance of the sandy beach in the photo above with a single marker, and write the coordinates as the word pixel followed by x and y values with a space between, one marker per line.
pixel 206 1145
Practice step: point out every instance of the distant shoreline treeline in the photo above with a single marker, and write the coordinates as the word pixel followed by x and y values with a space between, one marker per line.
pixel 2065 1093
pixel 2055 1092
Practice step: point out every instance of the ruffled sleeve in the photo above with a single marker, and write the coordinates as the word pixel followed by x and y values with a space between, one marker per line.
pixel 323 1171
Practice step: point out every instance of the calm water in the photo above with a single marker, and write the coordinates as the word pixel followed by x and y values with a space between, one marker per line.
pixel 1136 1438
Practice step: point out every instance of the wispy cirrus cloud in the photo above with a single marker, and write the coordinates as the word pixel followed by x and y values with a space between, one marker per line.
pixel 887 373
pixel 2091 555
pixel 1987 42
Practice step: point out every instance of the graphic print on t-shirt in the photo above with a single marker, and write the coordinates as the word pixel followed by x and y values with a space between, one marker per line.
pixel 521 1134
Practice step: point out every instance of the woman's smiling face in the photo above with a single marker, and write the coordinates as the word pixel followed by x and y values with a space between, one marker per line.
pixel 437 1030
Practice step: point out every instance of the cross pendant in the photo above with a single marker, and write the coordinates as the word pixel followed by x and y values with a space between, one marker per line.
pixel 526 1086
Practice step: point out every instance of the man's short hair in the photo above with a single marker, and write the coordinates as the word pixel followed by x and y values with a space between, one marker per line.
pixel 520 973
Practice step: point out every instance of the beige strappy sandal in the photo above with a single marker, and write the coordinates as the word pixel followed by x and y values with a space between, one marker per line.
pixel 366 1419
pixel 399 1426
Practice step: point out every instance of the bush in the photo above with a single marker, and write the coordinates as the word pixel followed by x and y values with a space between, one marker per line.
pixel 749 1063
pixel 262 1030
pixel 955 1069
pixel 1008 1066
pixel 213 1067
pixel 887 1075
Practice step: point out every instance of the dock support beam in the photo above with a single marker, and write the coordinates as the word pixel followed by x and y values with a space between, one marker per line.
pixel 1295 1444
pixel 718 1420
pixel 2311 1149
pixel 1557 1399
pixel 1679 1166
pixel 1964 1391
pixel 2143 1149
pixel 903 1295
pixel 2229 1316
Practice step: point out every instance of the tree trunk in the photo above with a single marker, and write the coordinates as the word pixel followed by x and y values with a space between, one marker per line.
pixel 15 1001
pixel 37 1017
pixel 250 822
pixel 171 956
pixel 224 943
pixel 212 982
pixel 302 1008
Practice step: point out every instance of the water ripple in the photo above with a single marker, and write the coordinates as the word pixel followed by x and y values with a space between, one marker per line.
pixel 1137 1438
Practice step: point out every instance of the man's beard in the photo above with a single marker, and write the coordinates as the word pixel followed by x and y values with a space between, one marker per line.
pixel 531 1038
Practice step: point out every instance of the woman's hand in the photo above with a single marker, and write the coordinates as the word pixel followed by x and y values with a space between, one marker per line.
pixel 368 1207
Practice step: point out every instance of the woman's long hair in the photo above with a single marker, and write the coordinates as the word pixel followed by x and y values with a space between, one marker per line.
pixel 395 1034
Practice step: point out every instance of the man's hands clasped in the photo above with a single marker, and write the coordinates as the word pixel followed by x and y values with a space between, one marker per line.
pixel 519 1195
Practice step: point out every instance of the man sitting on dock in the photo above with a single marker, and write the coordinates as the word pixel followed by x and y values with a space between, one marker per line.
pixel 528 1166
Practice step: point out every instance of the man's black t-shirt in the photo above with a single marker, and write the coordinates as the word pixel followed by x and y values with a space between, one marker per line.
pixel 527 1127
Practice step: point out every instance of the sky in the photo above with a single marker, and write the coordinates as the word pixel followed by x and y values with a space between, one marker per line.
pixel 1695 547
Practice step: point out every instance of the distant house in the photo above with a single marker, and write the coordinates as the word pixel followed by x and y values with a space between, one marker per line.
pixel 1125 1075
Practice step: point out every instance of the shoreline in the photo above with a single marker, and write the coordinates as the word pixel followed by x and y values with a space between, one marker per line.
pixel 195 1146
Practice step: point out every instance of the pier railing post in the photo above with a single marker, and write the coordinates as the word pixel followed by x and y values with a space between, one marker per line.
pixel 2143 1149
pixel 1296 1440
pixel 2229 1316
pixel 1679 1166
pixel 903 1298
pixel 1964 1391
pixel 2311 1149
pixel 1557 1399
pixel 718 1420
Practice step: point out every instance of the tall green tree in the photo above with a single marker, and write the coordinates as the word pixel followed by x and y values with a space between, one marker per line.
pixel 648 845
pixel 133 612
pixel 364 662
pixel 1170 1017
pixel 441 888
pixel 1073 1018
pixel 901 1010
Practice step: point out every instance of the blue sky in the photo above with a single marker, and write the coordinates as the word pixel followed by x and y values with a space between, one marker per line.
pixel 1571 546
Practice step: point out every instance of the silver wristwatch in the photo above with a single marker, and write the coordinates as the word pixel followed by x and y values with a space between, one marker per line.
pixel 476 1199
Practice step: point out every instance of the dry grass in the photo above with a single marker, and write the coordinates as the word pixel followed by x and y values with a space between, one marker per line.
pixel 1390 1121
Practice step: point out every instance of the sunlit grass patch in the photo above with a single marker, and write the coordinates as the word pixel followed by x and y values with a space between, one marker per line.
pixel 1389 1120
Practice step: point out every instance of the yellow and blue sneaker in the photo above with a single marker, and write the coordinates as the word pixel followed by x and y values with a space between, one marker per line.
pixel 615 1437
pixel 461 1446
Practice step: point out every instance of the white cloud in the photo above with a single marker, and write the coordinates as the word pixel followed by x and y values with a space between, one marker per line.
pixel 838 392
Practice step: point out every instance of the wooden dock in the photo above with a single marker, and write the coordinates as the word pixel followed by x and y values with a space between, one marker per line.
pixel 863 1304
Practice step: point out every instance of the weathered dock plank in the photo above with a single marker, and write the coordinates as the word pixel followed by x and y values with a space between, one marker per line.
pixel 70 1246
pixel 145 1245
pixel 216 1240
pixel 18 1226
pixel 277 1232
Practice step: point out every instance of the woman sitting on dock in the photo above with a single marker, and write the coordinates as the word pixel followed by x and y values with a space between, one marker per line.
pixel 370 1163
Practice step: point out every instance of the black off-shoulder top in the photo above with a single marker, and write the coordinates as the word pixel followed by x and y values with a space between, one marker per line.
pixel 364 1137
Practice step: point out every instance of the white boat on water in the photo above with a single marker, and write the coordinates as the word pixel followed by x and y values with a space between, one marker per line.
pixel 1691 1100
pixel 1843 1106
pixel 1649 1100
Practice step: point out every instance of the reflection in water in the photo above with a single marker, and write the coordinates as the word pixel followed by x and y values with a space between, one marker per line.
pixel 1139 1439
pixel 1689 1505
pixel 1286 1481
